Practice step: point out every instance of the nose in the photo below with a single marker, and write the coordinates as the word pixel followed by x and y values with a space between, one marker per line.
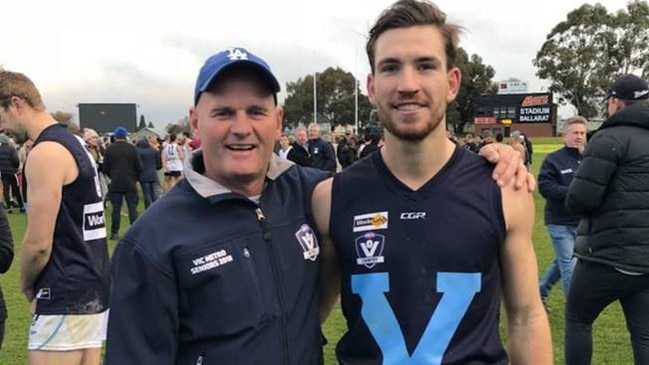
pixel 242 125
pixel 408 81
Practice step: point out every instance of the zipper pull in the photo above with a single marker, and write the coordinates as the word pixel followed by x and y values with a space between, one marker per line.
pixel 260 215
pixel 199 360
pixel 262 223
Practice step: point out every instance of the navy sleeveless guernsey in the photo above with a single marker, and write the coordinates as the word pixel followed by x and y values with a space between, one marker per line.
pixel 420 272
pixel 76 280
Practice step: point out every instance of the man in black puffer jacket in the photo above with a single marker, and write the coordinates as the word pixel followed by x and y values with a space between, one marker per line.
pixel 611 192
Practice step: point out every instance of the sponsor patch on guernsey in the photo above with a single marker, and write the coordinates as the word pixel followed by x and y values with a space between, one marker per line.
pixel 211 261
pixel 370 221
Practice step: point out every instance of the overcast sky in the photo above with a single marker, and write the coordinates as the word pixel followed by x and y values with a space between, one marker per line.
pixel 149 53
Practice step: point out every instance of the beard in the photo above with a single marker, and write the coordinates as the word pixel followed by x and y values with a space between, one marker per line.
pixel 408 131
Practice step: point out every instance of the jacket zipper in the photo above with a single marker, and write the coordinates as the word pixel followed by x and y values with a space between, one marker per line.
pixel 276 277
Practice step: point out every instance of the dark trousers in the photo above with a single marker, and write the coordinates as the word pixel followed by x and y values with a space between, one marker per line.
pixel 116 198
pixel 150 192
pixel 10 184
pixel 595 286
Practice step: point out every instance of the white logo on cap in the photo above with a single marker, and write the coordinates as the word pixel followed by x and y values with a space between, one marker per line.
pixel 639 94
pixel 237 54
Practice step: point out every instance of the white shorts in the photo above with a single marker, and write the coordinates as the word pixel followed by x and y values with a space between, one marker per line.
pixel 67 332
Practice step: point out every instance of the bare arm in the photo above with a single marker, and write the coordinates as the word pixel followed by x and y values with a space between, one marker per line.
pixel 329 268
pixel 49 167
pixel 528 330
pixel 509 165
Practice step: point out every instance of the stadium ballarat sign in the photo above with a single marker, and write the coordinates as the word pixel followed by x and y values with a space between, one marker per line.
pixel 535 109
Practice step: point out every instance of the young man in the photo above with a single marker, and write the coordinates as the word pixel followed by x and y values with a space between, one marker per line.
pixel 64 258
pixel 611 192
pixel 231 277
pixel 431 245
pixel 556 174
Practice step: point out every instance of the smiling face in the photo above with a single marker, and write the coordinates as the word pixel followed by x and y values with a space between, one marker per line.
pixel 411 85
pixel 238 124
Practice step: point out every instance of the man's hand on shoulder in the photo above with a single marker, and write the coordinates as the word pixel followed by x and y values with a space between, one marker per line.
pixel 508 166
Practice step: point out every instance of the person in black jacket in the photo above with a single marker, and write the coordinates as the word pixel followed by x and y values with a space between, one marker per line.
pixel 300 151
pixel 557 171
pixel 322 152
pixel 123 165
pixel 6 257
pixel 346 151
pixel 611 192
pixel 151 163
pixel 9 163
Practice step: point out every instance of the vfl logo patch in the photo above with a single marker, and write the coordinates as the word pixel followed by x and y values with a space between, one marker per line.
pixel 94 226
pixel 370 222
pixel 369 248
pixel 308 241
pixel 210 261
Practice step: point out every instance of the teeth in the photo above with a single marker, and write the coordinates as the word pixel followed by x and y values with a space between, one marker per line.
pixel 240 147
pixel 408 107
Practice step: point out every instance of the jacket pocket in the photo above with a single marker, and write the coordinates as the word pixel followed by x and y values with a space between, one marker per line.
pixel 220 291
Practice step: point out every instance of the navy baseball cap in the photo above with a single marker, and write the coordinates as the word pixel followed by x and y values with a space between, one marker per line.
pixel 628 87
pixel 227 58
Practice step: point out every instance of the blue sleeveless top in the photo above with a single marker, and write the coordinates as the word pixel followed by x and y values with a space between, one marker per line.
pixel 76 280
pixel 420 270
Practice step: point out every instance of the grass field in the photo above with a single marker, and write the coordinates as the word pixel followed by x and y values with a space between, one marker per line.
pixel 611 340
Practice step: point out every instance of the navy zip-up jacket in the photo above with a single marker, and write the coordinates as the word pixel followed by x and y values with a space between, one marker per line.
pixel 557 171
pixel 208 276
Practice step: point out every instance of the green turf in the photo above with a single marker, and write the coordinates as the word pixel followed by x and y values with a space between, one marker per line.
pixel 611 340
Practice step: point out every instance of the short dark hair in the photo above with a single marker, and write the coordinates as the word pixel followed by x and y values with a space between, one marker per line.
pixel 410 13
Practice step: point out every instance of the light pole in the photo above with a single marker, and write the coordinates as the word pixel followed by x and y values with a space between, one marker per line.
pixel 315 101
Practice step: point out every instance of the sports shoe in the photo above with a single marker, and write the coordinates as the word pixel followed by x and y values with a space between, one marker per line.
pixel 113 237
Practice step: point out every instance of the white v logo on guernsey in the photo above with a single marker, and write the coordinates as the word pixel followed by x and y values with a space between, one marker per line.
pixel 369 247
pixel 459 290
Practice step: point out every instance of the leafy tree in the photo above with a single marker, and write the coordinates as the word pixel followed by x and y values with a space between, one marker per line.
pixel 335 99
pixel 584 54
pixel 476 80
pixel 142 124
pixel 628 51
pixel 180 126
pixel 62 117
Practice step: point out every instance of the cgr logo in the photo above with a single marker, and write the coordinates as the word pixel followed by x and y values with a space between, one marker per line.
pixel 413 215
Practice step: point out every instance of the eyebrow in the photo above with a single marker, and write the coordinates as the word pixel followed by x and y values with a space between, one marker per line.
pixel 391 60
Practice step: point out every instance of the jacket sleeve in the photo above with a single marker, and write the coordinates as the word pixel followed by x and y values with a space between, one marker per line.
pixel 6 243
pixel 598 166
pixel 138 164
pixel 143 320
pixel 331 157
pixel 15 161
pixel 106 165
pixel 158 160
pixel 549 185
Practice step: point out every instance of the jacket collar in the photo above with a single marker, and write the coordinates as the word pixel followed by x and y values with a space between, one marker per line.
pixel 194 168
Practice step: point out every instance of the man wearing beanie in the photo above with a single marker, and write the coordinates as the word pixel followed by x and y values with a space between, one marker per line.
pixel 123 166
pixel 611 193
